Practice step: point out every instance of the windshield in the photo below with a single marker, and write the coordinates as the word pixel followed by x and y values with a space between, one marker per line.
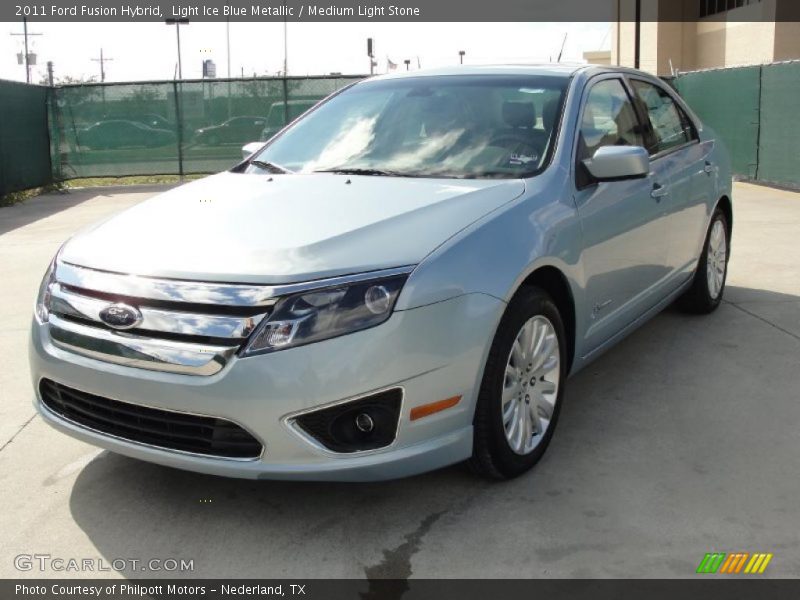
pixel 449 126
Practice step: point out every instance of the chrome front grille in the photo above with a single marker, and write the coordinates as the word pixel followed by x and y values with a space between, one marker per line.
pixel 174 321
pixel 185 327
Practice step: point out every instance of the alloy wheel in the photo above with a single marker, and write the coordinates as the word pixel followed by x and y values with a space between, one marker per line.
pixel 717 259
pixel 530 385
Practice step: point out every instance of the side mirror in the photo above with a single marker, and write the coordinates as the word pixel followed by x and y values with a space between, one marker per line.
pixel 249 149
pixel 614 163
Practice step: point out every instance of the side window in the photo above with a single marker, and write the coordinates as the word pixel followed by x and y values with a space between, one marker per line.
pixel 669 126
pixel 608 119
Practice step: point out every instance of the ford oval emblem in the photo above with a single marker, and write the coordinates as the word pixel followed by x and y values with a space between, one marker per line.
pixel 121 316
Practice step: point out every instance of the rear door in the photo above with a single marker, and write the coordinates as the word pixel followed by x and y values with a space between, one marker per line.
pixel 675 153
pixel 625 245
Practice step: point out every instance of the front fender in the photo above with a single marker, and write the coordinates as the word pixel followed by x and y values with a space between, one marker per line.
pixel 495 254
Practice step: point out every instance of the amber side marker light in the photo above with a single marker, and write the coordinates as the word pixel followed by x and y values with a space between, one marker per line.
pixel 427 410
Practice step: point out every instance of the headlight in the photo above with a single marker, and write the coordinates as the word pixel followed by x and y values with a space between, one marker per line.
pixel 321 314
pixel 42 308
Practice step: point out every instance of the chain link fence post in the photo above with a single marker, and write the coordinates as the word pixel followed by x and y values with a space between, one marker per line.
pixel 178 127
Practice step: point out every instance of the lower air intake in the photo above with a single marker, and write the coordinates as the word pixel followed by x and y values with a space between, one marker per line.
pixel 162 428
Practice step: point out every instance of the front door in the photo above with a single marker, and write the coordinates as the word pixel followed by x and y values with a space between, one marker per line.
pixel 625 246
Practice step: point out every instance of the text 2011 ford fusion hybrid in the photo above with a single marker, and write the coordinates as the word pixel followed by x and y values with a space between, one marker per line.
pixel 402 279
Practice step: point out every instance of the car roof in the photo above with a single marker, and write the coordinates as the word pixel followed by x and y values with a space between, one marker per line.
pixel 563 69
pixel 552 69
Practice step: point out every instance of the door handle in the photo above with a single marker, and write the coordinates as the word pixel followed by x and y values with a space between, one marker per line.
pixel 659 191
pixel 709 168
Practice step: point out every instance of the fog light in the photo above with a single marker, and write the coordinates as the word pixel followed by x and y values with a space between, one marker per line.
pixel 377 299
pixel 364 423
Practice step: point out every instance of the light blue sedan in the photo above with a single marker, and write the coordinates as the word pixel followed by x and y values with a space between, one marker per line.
pixel 402 279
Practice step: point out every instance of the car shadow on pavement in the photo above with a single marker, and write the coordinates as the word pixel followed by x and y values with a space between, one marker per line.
pixel 46 205
pixel 236 527
pixel 639 435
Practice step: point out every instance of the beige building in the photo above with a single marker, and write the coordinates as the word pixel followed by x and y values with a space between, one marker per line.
pixel 598 57
pixel 686 35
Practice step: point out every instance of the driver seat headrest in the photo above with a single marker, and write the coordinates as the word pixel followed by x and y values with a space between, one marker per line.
pixel 550 115
pixel 519 114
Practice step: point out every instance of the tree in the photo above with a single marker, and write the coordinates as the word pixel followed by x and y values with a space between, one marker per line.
pixel 68 80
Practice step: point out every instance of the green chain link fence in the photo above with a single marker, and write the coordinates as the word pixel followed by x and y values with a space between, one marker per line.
pixel 754 111
pixel 178 127
pixel 185 127
pixel 779 146
pixel 24 140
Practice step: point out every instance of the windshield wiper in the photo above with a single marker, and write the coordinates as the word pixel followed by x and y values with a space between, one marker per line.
pixel 269 166
pixel 358 171
pixel 423 174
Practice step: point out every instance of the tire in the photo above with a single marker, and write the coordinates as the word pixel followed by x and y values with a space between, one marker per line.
pixel 708 286
pixel 494 455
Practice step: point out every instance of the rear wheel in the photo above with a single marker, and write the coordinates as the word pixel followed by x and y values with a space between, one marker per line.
pixel 522 387
pixel 705 295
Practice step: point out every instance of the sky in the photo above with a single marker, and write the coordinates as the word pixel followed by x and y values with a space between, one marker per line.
pixel 148 51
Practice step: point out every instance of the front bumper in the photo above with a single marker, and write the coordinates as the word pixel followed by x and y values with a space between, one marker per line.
pixel 432 352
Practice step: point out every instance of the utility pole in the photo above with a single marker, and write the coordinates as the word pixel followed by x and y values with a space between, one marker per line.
pixel 228 45
pixel 285 41
pixel 26 34
pixel 178 23
pixel 461 54
pixel 50 73
pixel 102 60
pixel 371 55
pixel 637 39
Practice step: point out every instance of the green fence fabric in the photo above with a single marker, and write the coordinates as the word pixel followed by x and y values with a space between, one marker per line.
pixel 779 153
pixel 754 111
pixel 24 140
pixel 185 127
pixel 175 127
pixel 727 100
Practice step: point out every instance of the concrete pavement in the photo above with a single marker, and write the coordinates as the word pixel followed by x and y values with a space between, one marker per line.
pixel 682 440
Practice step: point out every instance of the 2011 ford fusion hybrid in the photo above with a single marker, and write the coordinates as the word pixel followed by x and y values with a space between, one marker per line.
pixel 401 279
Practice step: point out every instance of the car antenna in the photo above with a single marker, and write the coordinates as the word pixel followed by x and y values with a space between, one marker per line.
pixel 563 43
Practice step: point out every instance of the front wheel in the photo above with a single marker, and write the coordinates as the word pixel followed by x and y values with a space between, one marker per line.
pixel 523 383
pixel 705 295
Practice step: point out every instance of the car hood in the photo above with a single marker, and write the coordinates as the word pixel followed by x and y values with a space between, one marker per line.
pixel 248 228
